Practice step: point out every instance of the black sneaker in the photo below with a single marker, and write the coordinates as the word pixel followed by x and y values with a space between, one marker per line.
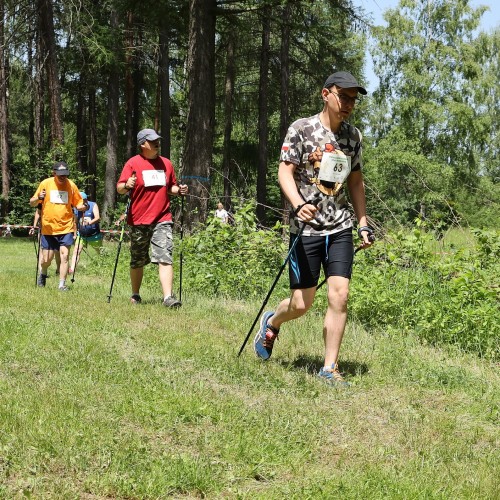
pixel 171 301
pixel 42 279
pixel 135 299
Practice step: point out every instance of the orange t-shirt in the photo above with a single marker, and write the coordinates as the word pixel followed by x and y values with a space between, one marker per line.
pixel 57 207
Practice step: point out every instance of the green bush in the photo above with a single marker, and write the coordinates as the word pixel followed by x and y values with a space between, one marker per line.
pixel 407 283
pixel 235 260
pixel 445 298
pixel 402 284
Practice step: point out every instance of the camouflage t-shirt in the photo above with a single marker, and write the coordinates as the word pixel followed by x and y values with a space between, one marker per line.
pixel 304 137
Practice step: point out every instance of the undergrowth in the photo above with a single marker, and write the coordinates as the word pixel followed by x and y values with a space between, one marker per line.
pixel 408 282
pixel 402 283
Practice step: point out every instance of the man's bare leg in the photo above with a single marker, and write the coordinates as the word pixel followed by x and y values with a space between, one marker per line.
pixel 166 272
pixel 293 307
pixel 136 275
pixel 335 318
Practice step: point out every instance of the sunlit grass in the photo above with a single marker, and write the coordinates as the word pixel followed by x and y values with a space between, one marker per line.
pixel 103 399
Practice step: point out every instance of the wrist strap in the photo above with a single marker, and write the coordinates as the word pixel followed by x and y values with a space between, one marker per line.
pixel 298 207
pixel 368 229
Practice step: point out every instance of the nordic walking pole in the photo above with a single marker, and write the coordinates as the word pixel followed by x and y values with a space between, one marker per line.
pixel 38 266
pixel 181 255
pixel 78 248
pixel 127 208
pixel 118 251
pixel 37 253
pixel 292 248
pixel 37 250
pixel 35 245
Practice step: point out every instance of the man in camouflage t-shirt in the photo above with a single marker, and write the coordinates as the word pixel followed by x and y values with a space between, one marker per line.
pixel 319 155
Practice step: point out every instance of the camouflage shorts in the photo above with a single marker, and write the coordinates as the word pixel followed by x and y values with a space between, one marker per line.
pixel 158 237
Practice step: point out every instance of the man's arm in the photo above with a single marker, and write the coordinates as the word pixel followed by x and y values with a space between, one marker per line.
pixel 181 189
pixel 307 211
pixel 36 219
pixel 357 193
pixel 83 206
pixel 128 185
pixel 38 196
pixel 96 214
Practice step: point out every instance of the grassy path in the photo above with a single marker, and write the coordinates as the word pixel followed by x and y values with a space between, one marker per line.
pixel 103 400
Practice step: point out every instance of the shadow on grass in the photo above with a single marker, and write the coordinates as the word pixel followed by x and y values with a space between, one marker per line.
pixel 312 364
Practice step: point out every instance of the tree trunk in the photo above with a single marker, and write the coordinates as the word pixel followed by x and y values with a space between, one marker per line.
pixel 30 69
pixel 164 82
pixel 92 165
pixel 45 13
pixel 228 117
pixel 138 85
pixel 39 94
pixel 81 126
pixel 197 163
pixel 112 137
pixel 129 87
pixel 284 94
pixel 5 153
pixel 263 118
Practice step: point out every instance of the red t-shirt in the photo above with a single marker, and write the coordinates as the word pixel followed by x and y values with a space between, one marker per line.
pixel 150 201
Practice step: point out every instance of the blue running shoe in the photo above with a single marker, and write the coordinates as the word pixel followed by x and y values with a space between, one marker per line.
pixel 264 340
pixel 332 376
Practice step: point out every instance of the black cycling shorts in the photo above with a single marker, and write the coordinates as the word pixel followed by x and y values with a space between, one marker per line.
pixel 334 253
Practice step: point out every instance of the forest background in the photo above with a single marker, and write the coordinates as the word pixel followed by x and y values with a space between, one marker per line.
pixel 222 81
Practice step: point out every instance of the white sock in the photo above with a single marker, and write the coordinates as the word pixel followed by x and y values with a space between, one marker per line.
pixel 62 283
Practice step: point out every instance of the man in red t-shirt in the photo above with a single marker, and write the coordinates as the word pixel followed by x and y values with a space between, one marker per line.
pixel 149 179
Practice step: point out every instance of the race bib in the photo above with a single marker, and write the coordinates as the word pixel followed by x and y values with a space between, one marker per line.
pixel 154 178
pixel 335 167
pixel 59 197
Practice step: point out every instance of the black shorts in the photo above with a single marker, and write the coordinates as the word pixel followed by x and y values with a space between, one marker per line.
pixel 334 253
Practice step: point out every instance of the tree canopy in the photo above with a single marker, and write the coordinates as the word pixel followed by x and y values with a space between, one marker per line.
pixel 222 79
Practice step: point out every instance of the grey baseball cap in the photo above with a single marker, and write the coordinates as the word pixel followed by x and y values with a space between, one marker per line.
pixel 60 168
pixel 344 80
pixel 147 134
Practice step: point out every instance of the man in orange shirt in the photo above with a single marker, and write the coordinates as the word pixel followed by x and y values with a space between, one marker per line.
pixel 58 196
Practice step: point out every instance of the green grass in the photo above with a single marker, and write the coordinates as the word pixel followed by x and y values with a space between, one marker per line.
pixel 107 400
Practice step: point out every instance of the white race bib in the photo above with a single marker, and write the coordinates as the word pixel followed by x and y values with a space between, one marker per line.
pixel 154 178
pixel 335 167
pixel 60 197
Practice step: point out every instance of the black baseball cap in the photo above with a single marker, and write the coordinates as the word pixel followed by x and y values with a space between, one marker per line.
pixel 60 168
pixel 344 80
